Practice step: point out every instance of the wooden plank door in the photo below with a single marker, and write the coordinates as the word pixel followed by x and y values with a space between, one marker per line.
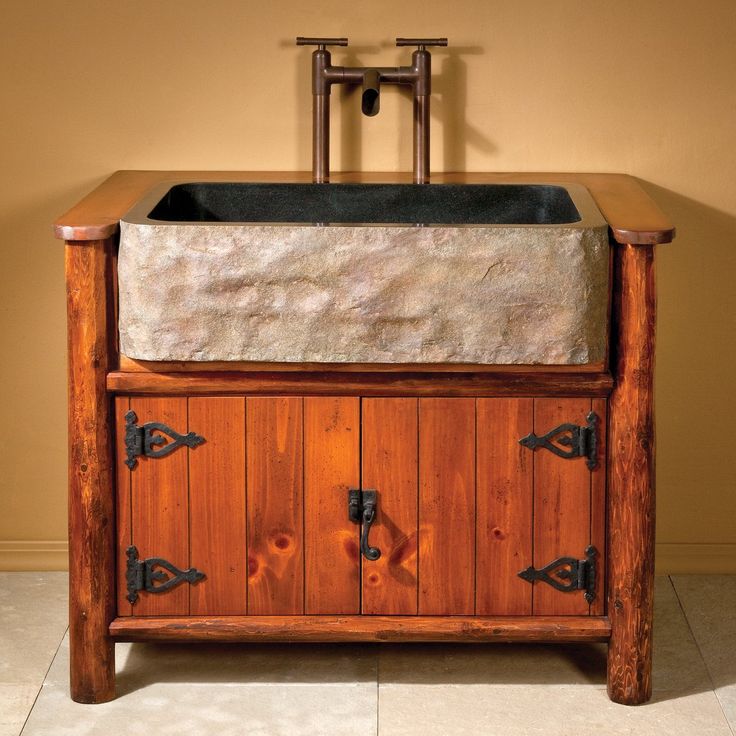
pixel 569 506
pixel 158 506
pixel 390 466
pixel 446 506
pixel 275 510
pixel 505 496
pixel 217 506
pixel 331 467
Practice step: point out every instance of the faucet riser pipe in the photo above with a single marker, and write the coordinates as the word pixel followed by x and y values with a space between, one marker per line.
pixel 320 138
pixel 421 139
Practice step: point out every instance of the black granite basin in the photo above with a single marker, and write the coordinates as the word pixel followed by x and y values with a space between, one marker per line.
pixel 342 204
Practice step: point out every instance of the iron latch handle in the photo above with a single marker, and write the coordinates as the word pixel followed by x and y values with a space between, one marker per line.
pixel 362 506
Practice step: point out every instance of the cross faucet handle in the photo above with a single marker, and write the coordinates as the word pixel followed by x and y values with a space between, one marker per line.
pixel 320 42
pixel 421 42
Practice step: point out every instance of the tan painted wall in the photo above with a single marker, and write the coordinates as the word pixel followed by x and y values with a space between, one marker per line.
pixel 646 87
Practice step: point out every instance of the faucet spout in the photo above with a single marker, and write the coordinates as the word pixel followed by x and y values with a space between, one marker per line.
pixel 371 99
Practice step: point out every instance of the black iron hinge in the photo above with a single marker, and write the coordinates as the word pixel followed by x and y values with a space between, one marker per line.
pixel 582 441
pixel 567 574
pixel 140 575
pixel 140 440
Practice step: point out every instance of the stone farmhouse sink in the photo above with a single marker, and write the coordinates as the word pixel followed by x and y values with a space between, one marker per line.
pixel 365 273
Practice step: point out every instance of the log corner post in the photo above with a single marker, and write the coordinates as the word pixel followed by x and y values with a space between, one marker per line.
pixel 631 477
pixel 90 337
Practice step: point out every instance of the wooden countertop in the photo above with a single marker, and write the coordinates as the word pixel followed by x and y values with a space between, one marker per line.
pixel 632 215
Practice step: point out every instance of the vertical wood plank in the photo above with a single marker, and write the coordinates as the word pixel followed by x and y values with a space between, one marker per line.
pixel 446 506
pixel 160 509
pixel 505 499
pixel 275 506
pixel 217 506
pixel 331 467
pixel 561 506
pixel 598 509
pixel 123 503
pixel 389 457
pixel 631 486
pixel 90 353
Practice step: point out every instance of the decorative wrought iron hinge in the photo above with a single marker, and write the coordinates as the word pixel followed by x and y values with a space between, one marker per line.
pixel 141 440
pixel 140 575
pixel 582 441
pixel 567 574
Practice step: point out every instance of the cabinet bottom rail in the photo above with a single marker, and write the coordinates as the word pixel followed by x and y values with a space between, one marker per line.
pixel 339 628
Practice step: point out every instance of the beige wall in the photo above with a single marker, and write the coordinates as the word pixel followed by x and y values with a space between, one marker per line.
pixel 646 87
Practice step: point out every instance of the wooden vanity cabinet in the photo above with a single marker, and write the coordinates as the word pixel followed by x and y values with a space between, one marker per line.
pixel 252 523
pixel 260 506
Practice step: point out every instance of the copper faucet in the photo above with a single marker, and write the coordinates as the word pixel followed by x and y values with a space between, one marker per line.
pixel 324 75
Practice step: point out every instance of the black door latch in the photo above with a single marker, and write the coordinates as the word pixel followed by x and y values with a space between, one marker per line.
pixel 362 510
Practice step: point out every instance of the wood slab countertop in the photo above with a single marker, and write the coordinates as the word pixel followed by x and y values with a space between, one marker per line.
pixel 632 215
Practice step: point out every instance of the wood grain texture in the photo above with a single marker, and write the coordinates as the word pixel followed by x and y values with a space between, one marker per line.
pixel 275 506
pixel 92 561
pixel 561 506
pixel 131 365
pixel 631 213
pixel 160 507
pixel 217 506
pixel 331 467
pixel 312 629
pixel 389 458
pixel 330 383
pixel 598 485
pixel 446 506
pixel 504 500
pixel 123 499
pixel 631 479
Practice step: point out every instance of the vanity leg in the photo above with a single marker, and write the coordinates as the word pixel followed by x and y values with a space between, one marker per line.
pixel 631 477
pixel 91 509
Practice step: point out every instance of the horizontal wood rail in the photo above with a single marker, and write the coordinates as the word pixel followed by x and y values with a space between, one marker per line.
pixel 362 628
pixel 363 384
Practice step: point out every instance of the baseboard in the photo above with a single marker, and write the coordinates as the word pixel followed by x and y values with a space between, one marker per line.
pixel 687 558
pixel 671 558
pixel 34 555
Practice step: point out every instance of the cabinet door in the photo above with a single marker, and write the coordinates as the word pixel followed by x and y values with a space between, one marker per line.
pixel 259 507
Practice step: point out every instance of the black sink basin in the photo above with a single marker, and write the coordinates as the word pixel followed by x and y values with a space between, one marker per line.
pixel 343 204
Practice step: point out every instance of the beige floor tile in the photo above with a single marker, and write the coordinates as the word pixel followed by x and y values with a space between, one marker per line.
pixel 709 602
pixel 15 702
pixel 678 666
pixel 227 690
pixel 514 710
pixel 33 618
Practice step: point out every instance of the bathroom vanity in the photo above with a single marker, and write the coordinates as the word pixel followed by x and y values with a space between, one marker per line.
pixel 369 424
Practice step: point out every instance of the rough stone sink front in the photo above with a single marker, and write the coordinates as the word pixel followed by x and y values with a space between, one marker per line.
pixel 365 273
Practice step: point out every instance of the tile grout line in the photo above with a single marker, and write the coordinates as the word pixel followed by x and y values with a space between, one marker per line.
pixel 45 676
pixel 700 652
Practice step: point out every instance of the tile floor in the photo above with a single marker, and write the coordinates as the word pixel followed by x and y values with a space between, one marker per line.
pixel 389 690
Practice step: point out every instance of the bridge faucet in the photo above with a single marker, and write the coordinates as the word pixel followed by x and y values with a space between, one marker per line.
pixel 324 75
